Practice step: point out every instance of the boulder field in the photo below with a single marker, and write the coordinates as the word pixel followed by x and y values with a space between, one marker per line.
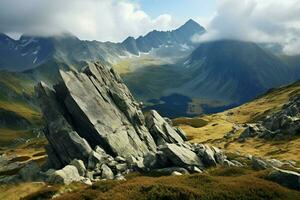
pixel 280 125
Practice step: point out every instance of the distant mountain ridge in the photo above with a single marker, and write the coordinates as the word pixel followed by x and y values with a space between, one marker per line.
pixel 154 39
pixel 30 51
pixel 235 70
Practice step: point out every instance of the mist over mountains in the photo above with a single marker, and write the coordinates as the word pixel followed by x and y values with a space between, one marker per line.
pixel 179 77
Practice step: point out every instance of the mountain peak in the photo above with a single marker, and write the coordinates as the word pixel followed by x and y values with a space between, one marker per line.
pixel 192 25
pixel 191 21
pixel 129 39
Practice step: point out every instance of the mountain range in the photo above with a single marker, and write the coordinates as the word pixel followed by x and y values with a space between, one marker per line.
pixel 156 39
pixel 180 77
pixel 30 52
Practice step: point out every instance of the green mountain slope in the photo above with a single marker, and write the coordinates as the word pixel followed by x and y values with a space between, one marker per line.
pixel 233 70
pixel 19 114
pixel 216 76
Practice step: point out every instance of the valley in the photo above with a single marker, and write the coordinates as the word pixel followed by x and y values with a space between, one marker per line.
pixel 154 117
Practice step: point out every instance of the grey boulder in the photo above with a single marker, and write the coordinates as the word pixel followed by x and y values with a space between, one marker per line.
pixel 94 159
pixel 286 178
pixel 181 156
pixel 30 172
pixel 161 130
pixel 79 164
pixel 65 176
pixel 104 111
pixel 107 172
pixel 208 157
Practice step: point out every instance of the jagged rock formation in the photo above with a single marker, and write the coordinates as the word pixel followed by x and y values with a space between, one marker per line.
pixel 94 125
pixel 92 108
pixel 284 123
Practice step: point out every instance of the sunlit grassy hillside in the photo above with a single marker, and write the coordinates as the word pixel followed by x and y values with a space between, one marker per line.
pixel 212 128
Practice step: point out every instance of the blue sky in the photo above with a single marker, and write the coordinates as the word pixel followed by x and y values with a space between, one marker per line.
pixel 183 9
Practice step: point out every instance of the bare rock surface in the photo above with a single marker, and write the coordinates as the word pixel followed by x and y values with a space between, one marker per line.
pixel 66 175
pixel 97 131
pixel 65 144
pixel 181 156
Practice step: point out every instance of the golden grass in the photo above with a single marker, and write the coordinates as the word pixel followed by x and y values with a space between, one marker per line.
pixel 22 110
pixel 123 66
pixel 262 106
pixel 17 82
pixel 222 123
pixel 286 150
pixel 16 192
pixel 128 65
pixel 215 129
pixel 9 135
pixel 32 150
pixel 193 122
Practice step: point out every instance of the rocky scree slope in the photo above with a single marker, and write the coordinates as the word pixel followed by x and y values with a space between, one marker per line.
pixel 96 130
pixel 282 124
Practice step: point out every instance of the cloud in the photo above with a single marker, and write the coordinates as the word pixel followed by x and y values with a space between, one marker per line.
pixel 102 20
pixel 257 20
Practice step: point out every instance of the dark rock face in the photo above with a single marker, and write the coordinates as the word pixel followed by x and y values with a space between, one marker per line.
pixel 89 109
pixel 286 178
pixel 64 143
pixel 96 130
pixel 284 123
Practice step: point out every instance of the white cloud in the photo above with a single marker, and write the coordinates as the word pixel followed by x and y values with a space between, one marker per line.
pixel 258 21
pixel 89 19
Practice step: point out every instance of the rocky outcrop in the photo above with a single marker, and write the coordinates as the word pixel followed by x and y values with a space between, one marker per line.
pixel 96 130
pixel 65 144
pixel 161 130
pixel 79 164
pixel 181 156
pixel 93 108
pixel 284 123
pixel 66 175
pixel 286 178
